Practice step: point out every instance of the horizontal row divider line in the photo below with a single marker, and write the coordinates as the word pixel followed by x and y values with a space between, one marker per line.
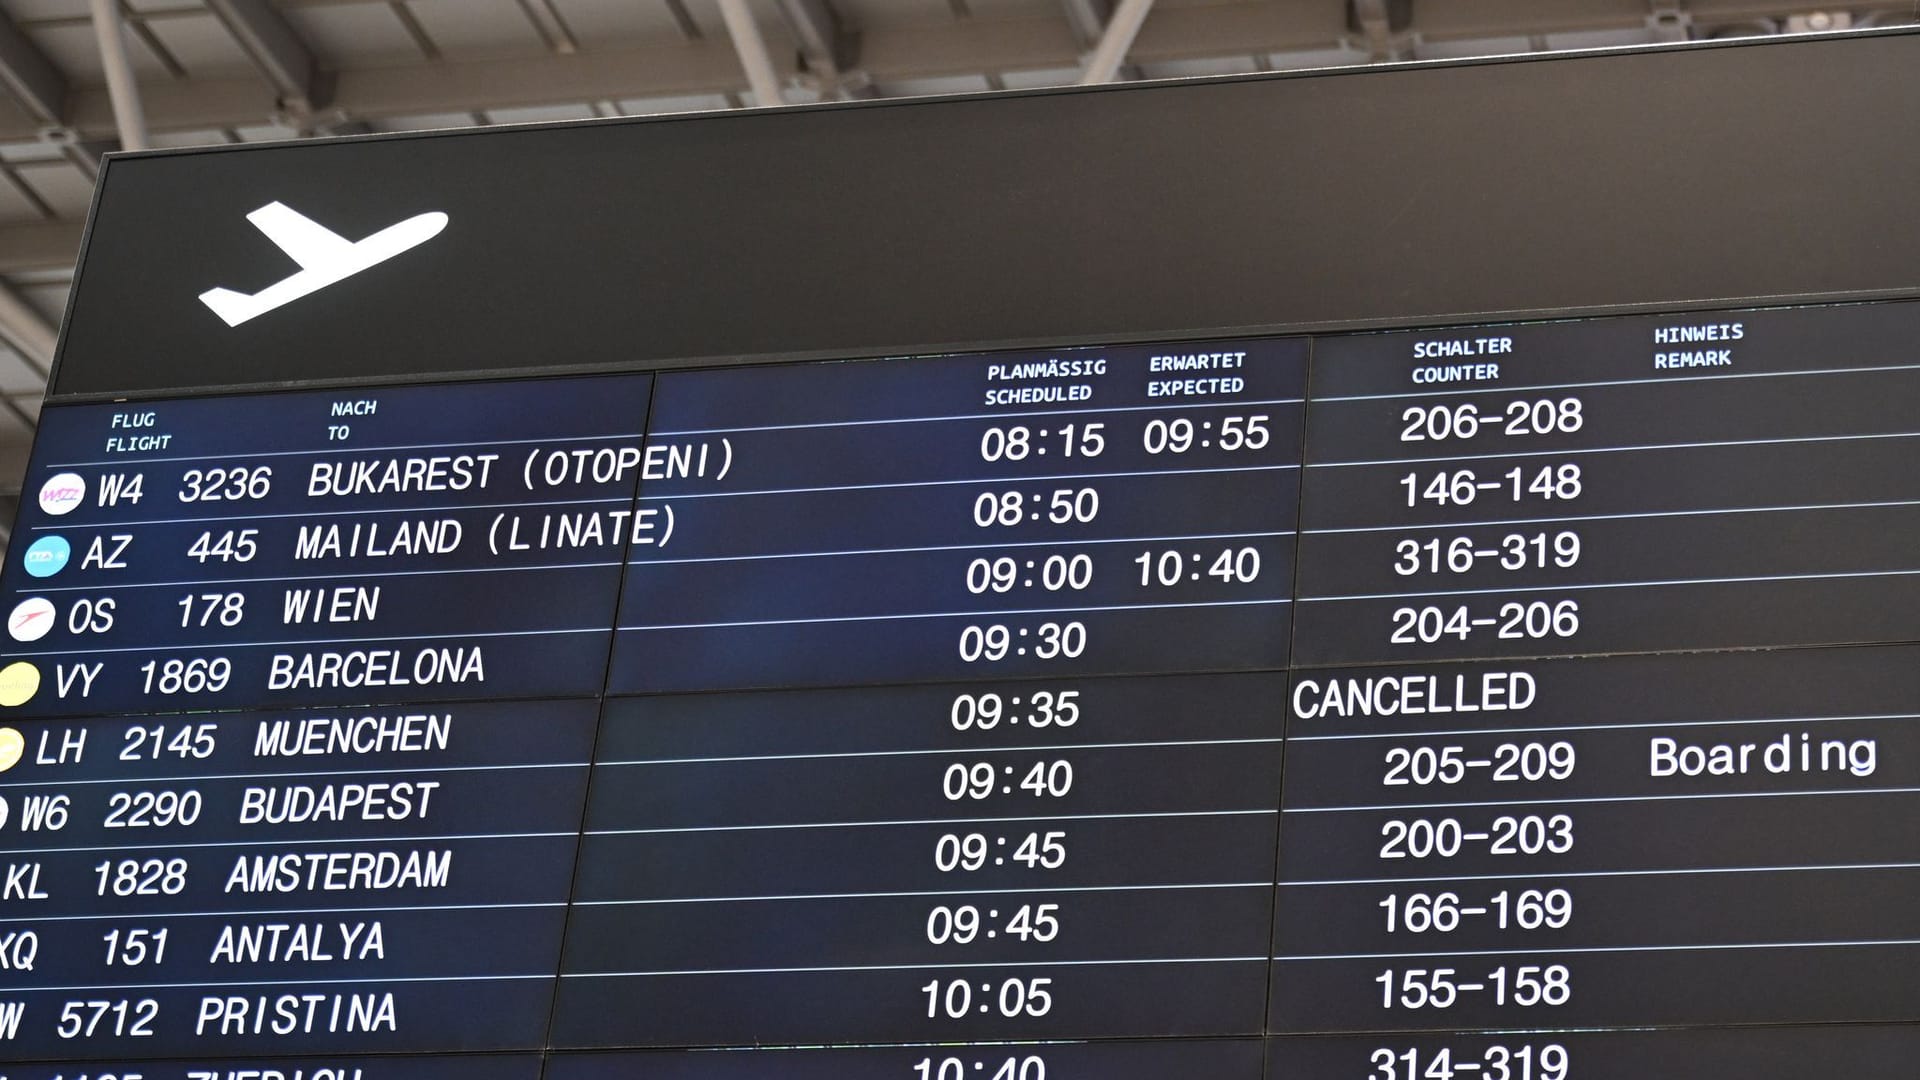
pixel 387 910
pixel 1047 748
pixel 361 981
pixel 1592 799
pixel 294 843
pixel 1656 380
pixel 1036 891
pixel 344 643
pixel 1678 871
pixel 335 576
pixel 780 826
pixel 1833 576
pixel 955 966
pixel 1549 729
pixel 409 771
pixel 349 451
pixel 1550 951
pixel 1003 417
pixel 972 482
pixel 312 512
pixel 1274 534
pixel 964 614
pixel 1574 519
pixel 1788 441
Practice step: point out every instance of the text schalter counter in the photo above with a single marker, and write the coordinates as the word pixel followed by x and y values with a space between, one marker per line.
pixel 1643 484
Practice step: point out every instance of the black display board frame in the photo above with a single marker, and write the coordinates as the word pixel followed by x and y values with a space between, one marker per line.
pixel 1716 176
pixel 1708 175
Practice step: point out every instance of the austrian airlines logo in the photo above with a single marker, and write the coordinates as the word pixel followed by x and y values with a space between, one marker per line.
pixel 31 619
pixel 325 258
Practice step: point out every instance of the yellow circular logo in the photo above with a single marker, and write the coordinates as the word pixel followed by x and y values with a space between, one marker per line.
pixel 12 746
pixel 19 681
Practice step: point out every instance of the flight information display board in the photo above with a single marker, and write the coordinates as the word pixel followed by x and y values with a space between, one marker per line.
pixel 1517 701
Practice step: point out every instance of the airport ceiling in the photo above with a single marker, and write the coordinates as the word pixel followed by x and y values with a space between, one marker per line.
pixel 225 71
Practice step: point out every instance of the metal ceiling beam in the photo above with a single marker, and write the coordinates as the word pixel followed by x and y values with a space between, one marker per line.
pixel 679 69
pixel 277 49
pixel 1087 18
pixel 1669 20
pixel 751 48
pixel 84 154
pixel 816 26
pixel 31 77
pixel 1115 42
pixel 1519 18
pixel 703 67
pixel 829 51
pixel 38 247
pixel 123 88
pixel 1380 22
pixel 20 414
pixel 1371 15
pixel 552 26
pixel 209 104
pixel 1088 21
pixel 30 334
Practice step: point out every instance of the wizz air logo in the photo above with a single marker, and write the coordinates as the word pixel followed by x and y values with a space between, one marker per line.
pixel 325 258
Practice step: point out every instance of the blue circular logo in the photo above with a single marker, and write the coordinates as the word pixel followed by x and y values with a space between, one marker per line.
pixel 48 556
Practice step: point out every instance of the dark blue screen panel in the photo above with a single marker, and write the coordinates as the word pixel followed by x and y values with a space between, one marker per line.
pixel 1089 511
pixel 392 544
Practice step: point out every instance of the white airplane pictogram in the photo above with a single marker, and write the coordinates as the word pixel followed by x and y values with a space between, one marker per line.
pixel 325 258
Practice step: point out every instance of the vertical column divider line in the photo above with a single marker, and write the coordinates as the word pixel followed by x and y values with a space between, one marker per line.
pixel 1285 705
pixel 599 724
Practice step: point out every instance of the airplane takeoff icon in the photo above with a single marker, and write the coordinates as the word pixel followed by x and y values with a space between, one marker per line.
pixel 325 258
